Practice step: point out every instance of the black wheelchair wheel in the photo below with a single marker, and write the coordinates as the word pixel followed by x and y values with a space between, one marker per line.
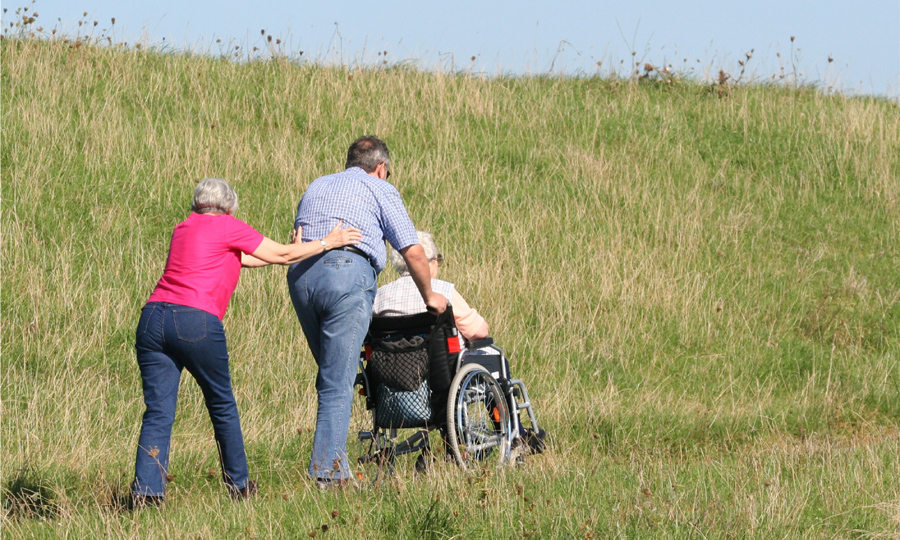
pixel 478 420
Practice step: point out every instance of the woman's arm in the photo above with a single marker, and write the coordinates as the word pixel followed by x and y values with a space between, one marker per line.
pixel 271 252
pixel 469 322
pixel 249 261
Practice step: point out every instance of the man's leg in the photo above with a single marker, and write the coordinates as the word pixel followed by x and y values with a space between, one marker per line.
pixel 301 298
pixel 341 292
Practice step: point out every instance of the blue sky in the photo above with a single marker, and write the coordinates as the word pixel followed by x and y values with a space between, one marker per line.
pixel 565 36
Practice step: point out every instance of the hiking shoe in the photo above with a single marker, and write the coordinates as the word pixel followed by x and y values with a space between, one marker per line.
pixel 139 502
pixel 535 440
pixel 246 492
pixel 329 484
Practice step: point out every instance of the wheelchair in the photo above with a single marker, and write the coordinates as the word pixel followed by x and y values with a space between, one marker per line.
pixel 414 375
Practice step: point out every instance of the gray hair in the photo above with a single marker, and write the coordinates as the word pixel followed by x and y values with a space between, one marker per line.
pixel 428 244
pixel 214 195
pixel 367 152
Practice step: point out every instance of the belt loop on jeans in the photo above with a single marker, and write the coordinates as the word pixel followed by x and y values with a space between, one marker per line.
pixel 356 251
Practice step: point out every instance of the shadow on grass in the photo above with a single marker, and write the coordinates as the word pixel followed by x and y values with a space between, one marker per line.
pixel 25 497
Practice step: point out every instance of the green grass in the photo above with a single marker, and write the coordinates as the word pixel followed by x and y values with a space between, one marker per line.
pixel 699 285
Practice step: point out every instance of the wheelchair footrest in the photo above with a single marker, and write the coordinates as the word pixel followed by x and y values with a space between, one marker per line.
pixel 525 404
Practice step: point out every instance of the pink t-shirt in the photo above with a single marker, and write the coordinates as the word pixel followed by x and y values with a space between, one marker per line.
pixel 204 262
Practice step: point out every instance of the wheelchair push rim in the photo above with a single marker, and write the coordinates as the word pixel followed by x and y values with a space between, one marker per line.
pixel 478 420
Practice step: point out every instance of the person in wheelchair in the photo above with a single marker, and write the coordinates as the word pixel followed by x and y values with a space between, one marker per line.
pixel 401 297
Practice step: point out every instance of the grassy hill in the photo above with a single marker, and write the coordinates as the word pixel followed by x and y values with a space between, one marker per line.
pixel 700 286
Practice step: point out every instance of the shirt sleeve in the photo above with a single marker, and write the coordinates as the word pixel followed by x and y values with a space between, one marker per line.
pixel 468 320
pixel 297 222
pixel 244 237
pixel 397 226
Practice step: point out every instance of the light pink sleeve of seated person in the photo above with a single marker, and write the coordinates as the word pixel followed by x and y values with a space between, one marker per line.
pixel 470 324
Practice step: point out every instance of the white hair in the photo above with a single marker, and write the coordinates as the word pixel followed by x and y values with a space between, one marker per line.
pixel 431 253
pixel 214 195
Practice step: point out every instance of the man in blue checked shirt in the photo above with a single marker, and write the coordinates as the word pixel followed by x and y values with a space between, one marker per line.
pixel 333 292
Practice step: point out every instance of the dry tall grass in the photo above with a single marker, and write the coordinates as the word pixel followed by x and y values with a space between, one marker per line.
pixel 700 289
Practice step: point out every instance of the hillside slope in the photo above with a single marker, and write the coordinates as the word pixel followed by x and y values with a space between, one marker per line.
pixel 700 286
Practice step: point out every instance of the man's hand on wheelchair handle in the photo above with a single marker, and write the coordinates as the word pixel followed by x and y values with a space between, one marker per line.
pixel 436 303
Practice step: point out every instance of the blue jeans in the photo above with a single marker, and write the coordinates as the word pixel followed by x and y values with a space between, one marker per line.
pixel 333 295
pixel 171 338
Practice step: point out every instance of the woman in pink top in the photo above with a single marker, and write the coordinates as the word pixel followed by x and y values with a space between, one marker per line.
pixel 181 328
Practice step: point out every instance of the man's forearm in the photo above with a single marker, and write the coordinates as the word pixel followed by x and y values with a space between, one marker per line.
pixel 417 263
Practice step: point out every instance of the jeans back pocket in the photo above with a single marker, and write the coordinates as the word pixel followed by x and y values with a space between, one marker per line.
pixel 190 324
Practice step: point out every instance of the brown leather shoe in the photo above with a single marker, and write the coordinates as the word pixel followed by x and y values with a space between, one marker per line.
pixel 328 484
pixel 246 492
pixel 139 502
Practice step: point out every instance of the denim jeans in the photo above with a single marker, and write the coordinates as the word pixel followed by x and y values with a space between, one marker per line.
pixel 170 338
pixel 333 295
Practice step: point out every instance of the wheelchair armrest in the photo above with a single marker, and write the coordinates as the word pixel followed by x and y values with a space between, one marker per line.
pixel 481 343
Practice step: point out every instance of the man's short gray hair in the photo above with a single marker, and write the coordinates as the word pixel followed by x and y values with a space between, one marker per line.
pixel 428 244
pixel 367 152
pixel 214 195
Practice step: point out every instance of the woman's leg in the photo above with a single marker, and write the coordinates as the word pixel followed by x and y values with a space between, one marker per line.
pixel 204 353
pixel 160 375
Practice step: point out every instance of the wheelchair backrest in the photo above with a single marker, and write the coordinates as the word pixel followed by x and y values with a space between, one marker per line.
pixel 404 352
